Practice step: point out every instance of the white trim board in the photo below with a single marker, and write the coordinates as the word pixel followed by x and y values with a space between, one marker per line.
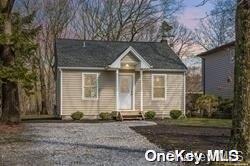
pixel 61 91
pixel 82 68
pixel 105 68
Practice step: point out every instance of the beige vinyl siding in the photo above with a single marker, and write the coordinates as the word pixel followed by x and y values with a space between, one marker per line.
pixel 72 93
pixel 218 73
pixel 174 93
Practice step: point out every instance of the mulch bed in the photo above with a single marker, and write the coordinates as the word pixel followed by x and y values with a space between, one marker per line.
pixel 190 138
pixel 11 128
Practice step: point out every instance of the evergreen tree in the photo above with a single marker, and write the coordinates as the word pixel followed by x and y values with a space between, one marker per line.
pixel 17 48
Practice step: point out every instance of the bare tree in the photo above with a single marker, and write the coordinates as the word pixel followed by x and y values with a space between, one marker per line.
pixel 181 39
pixel 194 80
pixel 120 19
pixel 218 27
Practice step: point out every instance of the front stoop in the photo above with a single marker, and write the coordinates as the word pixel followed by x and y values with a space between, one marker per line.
pixel 130 115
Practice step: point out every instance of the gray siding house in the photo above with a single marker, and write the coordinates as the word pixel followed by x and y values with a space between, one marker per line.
pixel 218 70
pixel 107 76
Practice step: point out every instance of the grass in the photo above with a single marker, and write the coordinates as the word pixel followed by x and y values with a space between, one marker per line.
pixel 203 122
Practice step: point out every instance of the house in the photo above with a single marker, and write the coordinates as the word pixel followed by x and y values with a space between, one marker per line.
pixel 107 76
pixel 218 70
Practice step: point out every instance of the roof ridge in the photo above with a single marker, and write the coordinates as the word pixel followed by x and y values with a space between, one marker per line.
pixel 114 41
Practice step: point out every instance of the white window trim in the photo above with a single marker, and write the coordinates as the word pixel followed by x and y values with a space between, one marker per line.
pixel 152 87
pixel 97 86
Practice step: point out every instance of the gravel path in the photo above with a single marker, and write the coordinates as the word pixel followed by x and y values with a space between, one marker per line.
pixel 77 144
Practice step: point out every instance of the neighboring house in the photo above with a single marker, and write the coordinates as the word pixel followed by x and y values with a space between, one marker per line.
pixel 107 76
pixel 218 70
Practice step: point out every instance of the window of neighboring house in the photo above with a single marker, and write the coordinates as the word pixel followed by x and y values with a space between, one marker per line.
pixel 90 86
pixel 158 86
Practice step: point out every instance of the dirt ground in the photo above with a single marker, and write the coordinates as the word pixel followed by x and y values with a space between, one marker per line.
pixel 11 129
pixel 173 137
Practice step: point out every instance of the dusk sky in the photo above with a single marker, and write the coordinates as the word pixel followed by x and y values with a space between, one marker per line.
pixel 191 14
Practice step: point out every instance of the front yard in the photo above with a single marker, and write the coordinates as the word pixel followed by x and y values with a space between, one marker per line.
pixel 196 134
pixel 55 142
pixel 202 122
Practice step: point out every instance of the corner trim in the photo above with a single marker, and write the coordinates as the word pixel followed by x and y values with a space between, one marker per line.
pixel 61 88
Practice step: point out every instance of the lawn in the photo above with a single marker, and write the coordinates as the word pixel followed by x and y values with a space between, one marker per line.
pixel 202 122
pixel 192 134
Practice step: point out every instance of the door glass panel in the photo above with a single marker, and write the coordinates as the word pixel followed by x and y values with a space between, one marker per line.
pixel 124 85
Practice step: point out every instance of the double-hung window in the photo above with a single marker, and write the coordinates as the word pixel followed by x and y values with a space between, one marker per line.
pixel 90 86
pixel 158 86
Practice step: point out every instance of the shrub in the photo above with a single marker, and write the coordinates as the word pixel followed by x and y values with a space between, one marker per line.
pixel 105 116
pixel 150 115
pixel 225 109
pixel 175 114
pixel 77 115
pixel 207 104
pixel 190 104
pixel 114 115
pixel 225 106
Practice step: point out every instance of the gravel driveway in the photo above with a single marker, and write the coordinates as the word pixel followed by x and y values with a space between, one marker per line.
pixel 77 144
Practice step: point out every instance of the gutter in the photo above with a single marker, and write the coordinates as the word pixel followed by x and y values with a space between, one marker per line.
pixel 104 68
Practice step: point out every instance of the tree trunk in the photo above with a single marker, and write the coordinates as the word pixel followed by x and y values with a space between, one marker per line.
pixel 10 96
pixel 43 92
pixel 240 139
pixel 10 103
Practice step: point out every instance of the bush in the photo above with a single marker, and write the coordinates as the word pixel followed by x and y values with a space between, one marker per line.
pixel 225 105
pixel 114 115
pixel 225 109
pixel 105 116
pixel 175 114
pixel 207 105
pixel 190 104
pixel 150 115
pixel 77 115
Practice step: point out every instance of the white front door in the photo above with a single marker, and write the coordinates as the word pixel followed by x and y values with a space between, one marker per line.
pixel 125 92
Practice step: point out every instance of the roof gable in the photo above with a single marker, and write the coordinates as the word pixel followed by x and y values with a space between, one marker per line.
pixel 143 63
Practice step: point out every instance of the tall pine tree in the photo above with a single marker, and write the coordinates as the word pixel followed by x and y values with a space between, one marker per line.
pixel 17 48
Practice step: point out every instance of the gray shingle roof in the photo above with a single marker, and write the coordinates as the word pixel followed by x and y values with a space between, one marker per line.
pixel 71 53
